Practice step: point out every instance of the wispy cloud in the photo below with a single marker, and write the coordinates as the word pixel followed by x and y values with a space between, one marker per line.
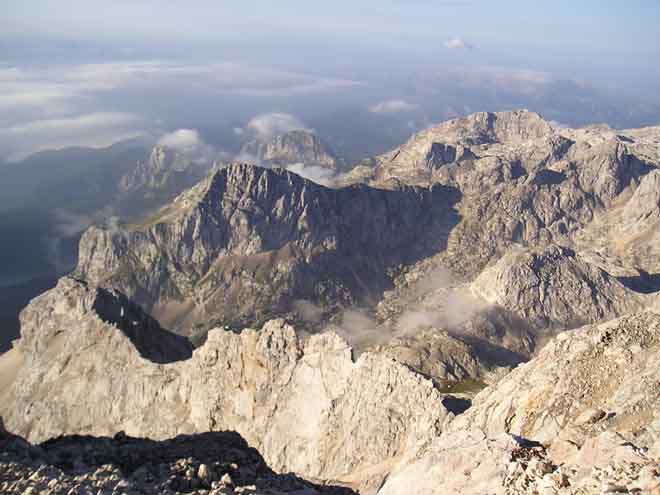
pixel 267 126
pixel 189 143
pixel 317 174
pixel 93 130
pixel 522 81
pixel 393 106
pixel 45 107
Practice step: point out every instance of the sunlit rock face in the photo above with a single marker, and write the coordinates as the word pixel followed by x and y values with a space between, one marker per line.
pixel 83 372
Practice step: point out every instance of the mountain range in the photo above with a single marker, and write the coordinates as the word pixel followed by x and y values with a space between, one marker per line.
pixel 472 312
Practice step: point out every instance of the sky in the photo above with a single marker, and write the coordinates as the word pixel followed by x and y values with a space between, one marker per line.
pixel 89 72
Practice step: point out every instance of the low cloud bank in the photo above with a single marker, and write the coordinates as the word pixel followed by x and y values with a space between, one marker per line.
pixel 434 302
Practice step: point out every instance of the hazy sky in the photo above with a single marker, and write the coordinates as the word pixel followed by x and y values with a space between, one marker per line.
pixel 90 72
pixel 560 33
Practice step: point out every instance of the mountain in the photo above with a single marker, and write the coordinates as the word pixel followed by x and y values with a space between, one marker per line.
pixel 475 311
pixel 157 180
pixel 246 242
pixel 524 182
pixel 298 146
pixel 26 181
pixel 554 287
pixel 63 192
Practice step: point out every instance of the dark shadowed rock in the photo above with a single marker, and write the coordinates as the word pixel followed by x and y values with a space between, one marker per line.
pixel 243 244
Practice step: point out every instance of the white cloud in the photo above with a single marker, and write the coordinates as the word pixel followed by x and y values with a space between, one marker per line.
pixel 249 158
pixel 190 144
pixel 559 125
pixel 269 125
pixel 223 77
pixel 317 174
pixel 393 106
pixel 457 44
pixel 93 130
pixel 182 140
pixel 75 95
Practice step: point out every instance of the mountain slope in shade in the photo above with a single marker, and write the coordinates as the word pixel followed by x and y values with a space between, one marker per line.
pixel 248 241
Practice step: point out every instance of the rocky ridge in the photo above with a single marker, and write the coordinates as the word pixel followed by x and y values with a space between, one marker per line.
pixel 522 182
pixel 244 243
pixel 255 383
pixel 580 417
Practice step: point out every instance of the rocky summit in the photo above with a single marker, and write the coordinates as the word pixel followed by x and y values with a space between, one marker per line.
pixel 473 312
pixel 293 147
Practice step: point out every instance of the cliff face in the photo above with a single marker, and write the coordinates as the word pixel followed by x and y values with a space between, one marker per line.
pixel 247 241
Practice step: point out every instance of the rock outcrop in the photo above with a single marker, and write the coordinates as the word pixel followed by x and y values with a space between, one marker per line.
pixel 165 171
pixel 298 146
pixel 521 181
pixel 245 243
pixel 581 417
pixel 554 288
pixel 307 405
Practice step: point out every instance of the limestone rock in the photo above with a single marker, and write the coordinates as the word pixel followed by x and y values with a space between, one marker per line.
pixel 307 405
pixel 165 170
pixel 514 438
pixel 610 366
pixel 521 181
pixel 554 287
pixel 244 244
pixel 122 464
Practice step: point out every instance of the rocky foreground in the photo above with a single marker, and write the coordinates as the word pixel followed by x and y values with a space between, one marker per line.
pixel 212 463
pixel 581 417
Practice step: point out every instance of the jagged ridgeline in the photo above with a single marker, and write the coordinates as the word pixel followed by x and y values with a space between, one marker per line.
pixel 245 243
pixel 506 276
